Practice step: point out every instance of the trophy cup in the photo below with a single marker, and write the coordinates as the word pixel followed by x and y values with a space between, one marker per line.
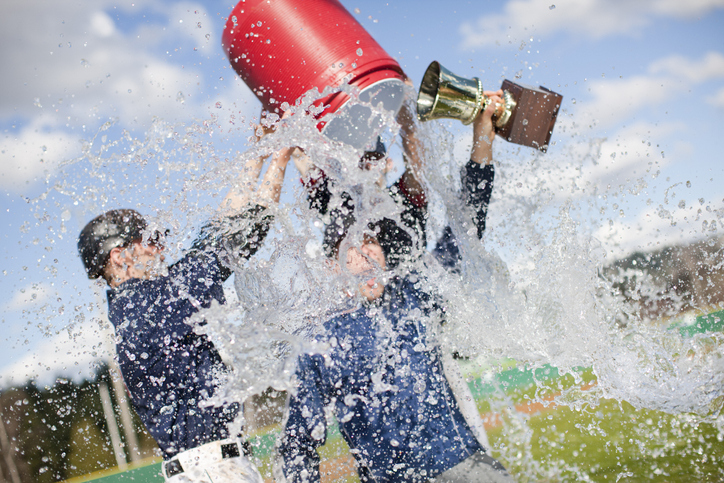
pixel 527 117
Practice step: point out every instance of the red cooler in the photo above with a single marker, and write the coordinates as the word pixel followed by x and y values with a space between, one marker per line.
pixel 283 48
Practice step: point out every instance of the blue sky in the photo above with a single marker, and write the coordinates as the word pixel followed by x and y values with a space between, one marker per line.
pixel 638 135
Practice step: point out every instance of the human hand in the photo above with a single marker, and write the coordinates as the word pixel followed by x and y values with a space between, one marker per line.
pixel 483 129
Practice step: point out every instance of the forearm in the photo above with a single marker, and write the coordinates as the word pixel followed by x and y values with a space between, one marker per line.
pixel 271 186
pixel 238 236
pixel 484 130
pixel 482 152
pixel 412 151
pixel 477 181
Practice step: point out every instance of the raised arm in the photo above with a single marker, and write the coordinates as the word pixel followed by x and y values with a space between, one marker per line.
pixel 412 153
pixel 245 192
pixel 478 174
pixel 477 182
pixel 243 221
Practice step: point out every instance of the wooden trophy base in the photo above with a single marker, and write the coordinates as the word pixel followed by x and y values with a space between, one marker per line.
pixel 532 117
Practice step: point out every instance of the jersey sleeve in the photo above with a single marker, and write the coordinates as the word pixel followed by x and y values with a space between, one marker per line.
pixel 477 181
pixel 234 237
pixel 306 426
pixel 477 188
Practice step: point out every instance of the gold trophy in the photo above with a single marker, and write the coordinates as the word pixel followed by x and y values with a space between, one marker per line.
pixel 527 116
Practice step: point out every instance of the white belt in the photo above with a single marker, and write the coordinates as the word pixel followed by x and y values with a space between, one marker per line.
pixel 205 454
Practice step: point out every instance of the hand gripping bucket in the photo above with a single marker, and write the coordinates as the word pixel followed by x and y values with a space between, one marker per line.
pixel 283 48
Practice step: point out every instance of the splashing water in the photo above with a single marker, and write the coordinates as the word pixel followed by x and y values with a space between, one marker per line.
pixel 533 291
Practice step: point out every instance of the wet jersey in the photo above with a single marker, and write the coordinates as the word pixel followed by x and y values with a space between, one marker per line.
pixel 169 370
pixel 383 379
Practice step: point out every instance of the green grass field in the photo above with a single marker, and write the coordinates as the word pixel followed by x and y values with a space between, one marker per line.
pixel 548 428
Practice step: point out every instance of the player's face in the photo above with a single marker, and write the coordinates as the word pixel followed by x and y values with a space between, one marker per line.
pixel 367 259
pixel 145 260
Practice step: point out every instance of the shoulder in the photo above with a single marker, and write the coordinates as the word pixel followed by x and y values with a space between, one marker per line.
pixel 196 266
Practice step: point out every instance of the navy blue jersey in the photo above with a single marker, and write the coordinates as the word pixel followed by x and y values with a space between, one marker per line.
pixel 384 379
pixel 168 369
pixel 383 376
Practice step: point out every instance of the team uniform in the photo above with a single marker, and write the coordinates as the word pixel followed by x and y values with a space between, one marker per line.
pixel 383 376
pixel 170 370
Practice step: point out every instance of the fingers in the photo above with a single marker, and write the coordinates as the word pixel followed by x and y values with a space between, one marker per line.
pixel 498 93
pixel 495 106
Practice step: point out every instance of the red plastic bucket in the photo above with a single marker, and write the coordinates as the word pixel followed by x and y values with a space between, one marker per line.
pixel 283 48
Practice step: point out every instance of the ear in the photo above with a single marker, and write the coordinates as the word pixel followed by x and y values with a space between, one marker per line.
pixel 117 258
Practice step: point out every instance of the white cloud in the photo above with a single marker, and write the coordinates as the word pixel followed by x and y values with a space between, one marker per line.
pixel 582 170
pixel 72 353
pixel 613 187
pixel 710 66
pixel 189 20
pixel 661 224
pixel 617 100
pixel 687 9
pixel 78 69
pixel 717 99
pixel 77 64
pixel 102 24
pixel 594 19
pixel 30 296
pixel 33 153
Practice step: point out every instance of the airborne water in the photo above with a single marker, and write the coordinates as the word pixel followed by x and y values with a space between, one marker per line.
pixel 533 295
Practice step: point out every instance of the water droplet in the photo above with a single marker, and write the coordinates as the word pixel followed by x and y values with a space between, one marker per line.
pixel 208 36
pixel 84 63
pixel 552 7
pixel 218 105
pixel 525 122
pixel 519 74
pixel 357 11
pixel 268 41
pixel 233 19
pixel 359 52
pixel 258 24
pixel 573 101
pixel 688 184
pixel 198 25
pixel 129 91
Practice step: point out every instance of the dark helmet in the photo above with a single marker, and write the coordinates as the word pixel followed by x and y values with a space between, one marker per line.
pixel 115 228
pixel 395 242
